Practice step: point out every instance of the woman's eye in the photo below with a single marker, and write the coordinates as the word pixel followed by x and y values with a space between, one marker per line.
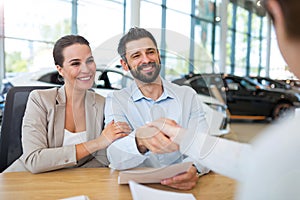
pixel 90 61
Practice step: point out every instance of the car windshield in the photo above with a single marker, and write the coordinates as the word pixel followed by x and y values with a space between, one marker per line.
pixel 255 83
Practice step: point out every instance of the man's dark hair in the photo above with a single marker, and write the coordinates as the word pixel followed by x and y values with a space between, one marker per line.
pixel 64 42
pixel 134 33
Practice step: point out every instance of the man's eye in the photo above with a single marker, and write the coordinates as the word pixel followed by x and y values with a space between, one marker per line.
pixel 75 63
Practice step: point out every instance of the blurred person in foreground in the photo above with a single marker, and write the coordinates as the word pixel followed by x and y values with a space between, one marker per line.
pixel 270 168
pixel 273 171
pixel 149 98
pixel 63 127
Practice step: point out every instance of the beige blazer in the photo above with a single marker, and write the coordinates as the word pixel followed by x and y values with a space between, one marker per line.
pixel 43 132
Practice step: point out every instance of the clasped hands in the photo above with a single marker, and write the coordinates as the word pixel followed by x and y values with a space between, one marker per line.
pixel 159 136
pixel 164 136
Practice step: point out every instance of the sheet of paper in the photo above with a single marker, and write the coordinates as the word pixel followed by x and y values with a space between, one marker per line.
pixel 152 175
pixel 82 197
pixel 141 192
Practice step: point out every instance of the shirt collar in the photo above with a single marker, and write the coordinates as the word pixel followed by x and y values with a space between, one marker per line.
pixel 137 95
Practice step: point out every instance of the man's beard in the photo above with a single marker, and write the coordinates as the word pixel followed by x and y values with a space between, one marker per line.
pixel 149 77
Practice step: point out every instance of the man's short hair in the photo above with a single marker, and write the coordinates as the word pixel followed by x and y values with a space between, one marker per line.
pixel 134 33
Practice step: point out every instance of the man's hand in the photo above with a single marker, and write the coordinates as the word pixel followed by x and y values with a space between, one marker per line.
pixel 151 138
pixel 184 181
pixel 169 128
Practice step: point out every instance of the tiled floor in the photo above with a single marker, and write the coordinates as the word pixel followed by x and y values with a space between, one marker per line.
pixel 245 131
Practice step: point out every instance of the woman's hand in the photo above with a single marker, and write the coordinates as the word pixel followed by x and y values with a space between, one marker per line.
pixel 112 132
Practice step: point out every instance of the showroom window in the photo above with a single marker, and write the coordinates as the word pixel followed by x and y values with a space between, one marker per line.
pixel 30 33
pixel 194 26
pixel 246 41
pixel 100 21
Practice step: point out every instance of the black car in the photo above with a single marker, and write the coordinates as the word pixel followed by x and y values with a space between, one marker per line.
pixel 295 84
pixel 270 83
pixel 245 98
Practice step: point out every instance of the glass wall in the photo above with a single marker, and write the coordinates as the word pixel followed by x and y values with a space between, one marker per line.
pixel 100 20
pixel 204 36
pixel 188 34
pixel 246 37
pixel 32 27
pixel 188 31
pixel 278 67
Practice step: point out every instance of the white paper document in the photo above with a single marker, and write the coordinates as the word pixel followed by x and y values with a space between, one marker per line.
pixel 152 175
pixel 141 192
pixel 81 197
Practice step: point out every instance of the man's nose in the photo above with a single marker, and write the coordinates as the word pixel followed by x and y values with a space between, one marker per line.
pixel 145 58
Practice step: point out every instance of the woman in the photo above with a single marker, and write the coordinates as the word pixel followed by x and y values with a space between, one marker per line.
pixel 62 126
pixel 273 172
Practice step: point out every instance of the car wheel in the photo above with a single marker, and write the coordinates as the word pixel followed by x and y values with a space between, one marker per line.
pixel 281 110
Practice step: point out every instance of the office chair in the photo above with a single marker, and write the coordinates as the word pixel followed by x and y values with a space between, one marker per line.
pixel 10 136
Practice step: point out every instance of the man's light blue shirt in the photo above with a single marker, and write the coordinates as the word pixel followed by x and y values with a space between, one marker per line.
pixel 180 103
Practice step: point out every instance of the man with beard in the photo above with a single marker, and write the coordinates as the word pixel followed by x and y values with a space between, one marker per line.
pixel 150 98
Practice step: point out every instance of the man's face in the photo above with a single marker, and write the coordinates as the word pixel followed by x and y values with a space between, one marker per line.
pixel 143 60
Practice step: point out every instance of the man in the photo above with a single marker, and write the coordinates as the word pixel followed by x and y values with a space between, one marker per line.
pixel 270 167
pixel 147 99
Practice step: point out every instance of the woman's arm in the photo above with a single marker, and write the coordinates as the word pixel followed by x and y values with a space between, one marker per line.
pixel 112 132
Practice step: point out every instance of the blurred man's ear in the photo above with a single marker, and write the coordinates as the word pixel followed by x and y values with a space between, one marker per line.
pixel 124 65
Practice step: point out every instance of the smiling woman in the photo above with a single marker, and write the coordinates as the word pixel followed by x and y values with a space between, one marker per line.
pixel 70 118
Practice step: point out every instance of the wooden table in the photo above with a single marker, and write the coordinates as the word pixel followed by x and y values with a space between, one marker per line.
pixel 97 183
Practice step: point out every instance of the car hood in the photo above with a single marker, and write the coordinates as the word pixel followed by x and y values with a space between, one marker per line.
pixel 210 100
pixel 280 90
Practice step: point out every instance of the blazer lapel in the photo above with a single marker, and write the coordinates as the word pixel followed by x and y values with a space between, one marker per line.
pixel 91 114
pixel 93 121
pixel 59 124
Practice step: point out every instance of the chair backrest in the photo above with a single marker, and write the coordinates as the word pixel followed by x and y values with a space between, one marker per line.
pixel 10 136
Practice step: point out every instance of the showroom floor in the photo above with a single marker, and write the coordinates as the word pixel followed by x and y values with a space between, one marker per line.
pixel 245 131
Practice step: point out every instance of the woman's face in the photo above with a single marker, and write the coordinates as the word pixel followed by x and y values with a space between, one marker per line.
pixel 78 68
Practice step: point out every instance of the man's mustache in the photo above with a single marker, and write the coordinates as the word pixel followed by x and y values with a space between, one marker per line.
pixel 152 64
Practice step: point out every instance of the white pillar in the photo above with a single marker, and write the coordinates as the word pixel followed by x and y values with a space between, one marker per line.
pixel 135 13
pixel 268 46
pixel 223 39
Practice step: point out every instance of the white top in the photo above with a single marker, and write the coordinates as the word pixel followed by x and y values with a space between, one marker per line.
pixel 74 138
